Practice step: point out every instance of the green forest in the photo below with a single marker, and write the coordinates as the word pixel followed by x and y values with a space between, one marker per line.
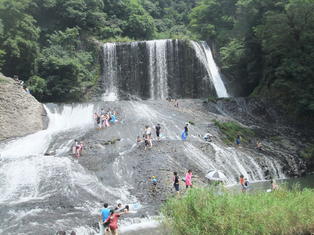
pixel 267 46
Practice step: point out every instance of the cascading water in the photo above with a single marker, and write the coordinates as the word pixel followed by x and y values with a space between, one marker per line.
pixel 159 69
pixel 54 187
pixel 110 72
pixel 157 51
pixel 203 52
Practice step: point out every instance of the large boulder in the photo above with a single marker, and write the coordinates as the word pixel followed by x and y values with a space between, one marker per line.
pixel 20 112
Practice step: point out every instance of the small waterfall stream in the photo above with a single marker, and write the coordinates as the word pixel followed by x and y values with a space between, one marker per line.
pixel 204 53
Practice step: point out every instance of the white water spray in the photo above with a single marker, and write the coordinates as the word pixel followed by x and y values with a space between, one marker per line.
pixel 203 52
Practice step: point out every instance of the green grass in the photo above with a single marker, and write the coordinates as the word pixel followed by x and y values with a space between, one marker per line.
pixel 202 212
pixel 231 129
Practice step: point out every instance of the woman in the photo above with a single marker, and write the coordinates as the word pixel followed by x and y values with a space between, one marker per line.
pixel 113 221
pixel 188 179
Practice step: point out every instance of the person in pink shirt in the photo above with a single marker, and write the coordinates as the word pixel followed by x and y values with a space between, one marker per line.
pixel 188 179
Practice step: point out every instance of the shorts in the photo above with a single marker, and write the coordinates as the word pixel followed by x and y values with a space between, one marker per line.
pixel 146 143
pixel 176 186
pixel 157 133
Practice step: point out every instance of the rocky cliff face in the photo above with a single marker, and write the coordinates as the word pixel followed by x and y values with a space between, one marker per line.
pixel 20 112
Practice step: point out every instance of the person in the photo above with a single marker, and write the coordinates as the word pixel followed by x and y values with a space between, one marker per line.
pixel 118 207
pixel 112 118
pixel 274 186
pixel 176 103
pixel 107 120
pixel 79 149
pixel 242 182
pixel 158 127
pixel 112 220
pixel 104 215
pixel 76 144
pixel 188 179
pixel 185 133
pixel 208 137
pixel 176 182
pixel 259 145
pixel 245 185
pixel 238 140
pixel 146 141
pixel 97 119
pixel 154 183
pixel 148 132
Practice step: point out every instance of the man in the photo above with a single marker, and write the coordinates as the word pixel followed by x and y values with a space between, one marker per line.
pixel 158 131
pixel 104 214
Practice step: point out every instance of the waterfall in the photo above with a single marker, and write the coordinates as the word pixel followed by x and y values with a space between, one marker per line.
pixel 157 51
pixel 60 119
pixel 203 52
pixel 159 69
pixel 110 73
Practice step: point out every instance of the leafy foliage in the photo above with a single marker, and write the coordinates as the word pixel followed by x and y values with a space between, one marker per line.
pixel 47 42
pixel 267 45
pixel 232 129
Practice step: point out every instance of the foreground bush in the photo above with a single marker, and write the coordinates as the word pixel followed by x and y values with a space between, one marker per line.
pixel 201 211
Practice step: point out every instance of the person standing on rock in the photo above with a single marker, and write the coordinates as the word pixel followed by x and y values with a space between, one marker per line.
pixel 188 179
pixel 158 127
pixel 176 182
pixel 242 183
pixel 113 221
pixel 148 133
pixel 185 133
pixel 104 215
pixel 238 140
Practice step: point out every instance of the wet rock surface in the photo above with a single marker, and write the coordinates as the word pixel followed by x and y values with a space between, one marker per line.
pixel 20 112
pixel 63 193
pixel 124 162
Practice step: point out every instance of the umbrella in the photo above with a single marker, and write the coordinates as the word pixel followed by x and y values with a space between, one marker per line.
pixel 216 175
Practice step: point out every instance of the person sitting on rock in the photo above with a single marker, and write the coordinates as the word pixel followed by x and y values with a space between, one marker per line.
pixel 208 137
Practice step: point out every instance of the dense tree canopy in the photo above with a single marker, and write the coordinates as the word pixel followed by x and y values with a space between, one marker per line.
pixel 265 45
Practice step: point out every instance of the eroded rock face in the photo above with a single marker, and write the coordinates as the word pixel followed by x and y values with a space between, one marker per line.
pixel 20 112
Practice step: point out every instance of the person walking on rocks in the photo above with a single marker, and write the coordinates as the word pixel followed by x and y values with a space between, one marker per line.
pixel 148 133
pixel 188 179
pixel 176 182
pixel 113 221
pixel 104 215
pixel 185 133
pixel 158 127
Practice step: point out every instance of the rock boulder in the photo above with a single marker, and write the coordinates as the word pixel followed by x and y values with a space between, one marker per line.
pixel 20 112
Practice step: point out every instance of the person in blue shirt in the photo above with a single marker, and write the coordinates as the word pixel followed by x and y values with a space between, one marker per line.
pixel 105 212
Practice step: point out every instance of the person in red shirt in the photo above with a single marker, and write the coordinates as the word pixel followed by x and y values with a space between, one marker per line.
pixel 113 221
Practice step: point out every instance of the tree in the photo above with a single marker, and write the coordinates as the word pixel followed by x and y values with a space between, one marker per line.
pixel 19 41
